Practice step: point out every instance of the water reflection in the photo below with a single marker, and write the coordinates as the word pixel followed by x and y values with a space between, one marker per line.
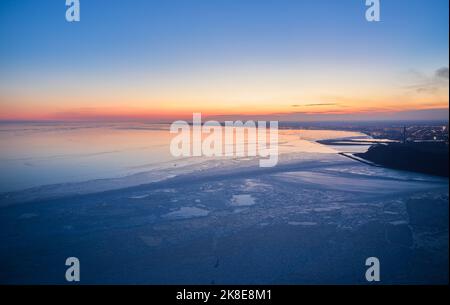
pixel 35 154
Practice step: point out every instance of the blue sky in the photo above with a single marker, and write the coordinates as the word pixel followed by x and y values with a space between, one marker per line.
pixel 153 48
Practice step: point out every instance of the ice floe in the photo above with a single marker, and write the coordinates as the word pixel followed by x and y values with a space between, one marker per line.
pixel 303 223
pixel 186 212
pixel 242 200
pixel 139 196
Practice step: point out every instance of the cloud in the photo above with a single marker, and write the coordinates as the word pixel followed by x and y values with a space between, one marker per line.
pixel 442 73
pixel 433 84
pixel 320 104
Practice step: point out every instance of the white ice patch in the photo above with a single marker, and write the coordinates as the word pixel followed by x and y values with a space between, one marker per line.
pixel 139 197
pixel 254 185
pixel 239 210
pixel 305 223
pixel 328 209
pixel 398 223
pixel 390 213
pixel 186 212
pixel 242 200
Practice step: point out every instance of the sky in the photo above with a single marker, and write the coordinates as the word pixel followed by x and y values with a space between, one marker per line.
pixel 165 59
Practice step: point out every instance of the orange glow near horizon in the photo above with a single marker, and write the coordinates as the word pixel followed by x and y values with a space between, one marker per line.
pixel 185 112
pixel 41 103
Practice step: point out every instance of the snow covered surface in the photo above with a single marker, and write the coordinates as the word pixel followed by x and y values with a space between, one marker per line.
pixel 186 213
pixel 312 219
pixel 242 200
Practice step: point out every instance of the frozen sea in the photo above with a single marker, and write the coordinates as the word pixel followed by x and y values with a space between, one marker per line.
pixel 112 196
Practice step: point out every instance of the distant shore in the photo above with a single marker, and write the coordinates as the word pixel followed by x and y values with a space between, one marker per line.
pixel 427 157
pixel 423 157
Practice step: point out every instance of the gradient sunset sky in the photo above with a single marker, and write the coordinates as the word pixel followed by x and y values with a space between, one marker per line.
pixel 163 60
